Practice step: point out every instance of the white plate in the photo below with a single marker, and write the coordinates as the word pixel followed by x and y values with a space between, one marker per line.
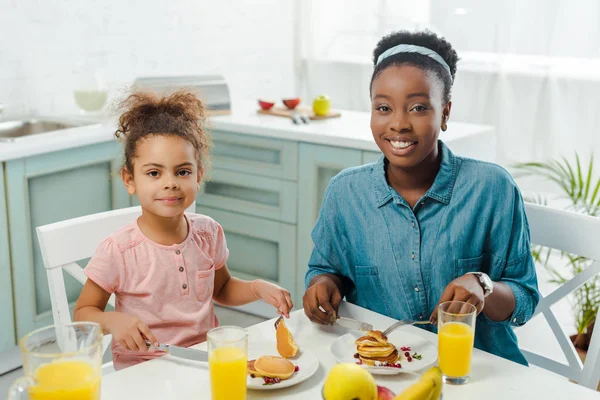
pixel 305 360
pixel 343 349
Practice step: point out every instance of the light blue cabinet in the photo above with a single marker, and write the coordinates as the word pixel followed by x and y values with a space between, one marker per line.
pixel 370 156
pixel 255 155
pixel 250 194
pixel 7 330
pixel 318 164
pixel 48 188
pixel 258 248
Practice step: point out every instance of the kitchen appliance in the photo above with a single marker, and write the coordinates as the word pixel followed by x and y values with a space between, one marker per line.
pixel 212 90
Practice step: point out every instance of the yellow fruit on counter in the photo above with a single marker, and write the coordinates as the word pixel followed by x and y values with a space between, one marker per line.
pixel 321 105
pixel 349 382
pixel 429 387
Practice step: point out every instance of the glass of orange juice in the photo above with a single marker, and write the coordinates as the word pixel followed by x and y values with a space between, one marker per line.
pixel 456 336
pixel 61 362
pixel 228 362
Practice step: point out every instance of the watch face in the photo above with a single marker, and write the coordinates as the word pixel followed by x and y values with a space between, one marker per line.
pixel 487 282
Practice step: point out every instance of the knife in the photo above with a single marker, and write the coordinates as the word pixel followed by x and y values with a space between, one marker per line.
pixel 182 352
pixel 353 324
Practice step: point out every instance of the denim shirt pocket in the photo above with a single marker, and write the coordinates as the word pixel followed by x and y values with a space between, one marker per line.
pixel 205 284
pixel 369 289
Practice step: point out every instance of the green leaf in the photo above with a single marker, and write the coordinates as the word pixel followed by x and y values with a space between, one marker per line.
pixel 589 179
pixel 571 178
pixel 579 178
pixel 595 194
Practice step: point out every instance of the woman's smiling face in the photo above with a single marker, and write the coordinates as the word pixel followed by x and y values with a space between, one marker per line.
pixel 407 111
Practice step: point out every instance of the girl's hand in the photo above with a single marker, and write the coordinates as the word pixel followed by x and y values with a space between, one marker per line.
pixel 275 295
pixel 466 288
pixel 130 332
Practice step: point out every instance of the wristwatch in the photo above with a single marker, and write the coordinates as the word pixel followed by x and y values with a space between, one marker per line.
pixel 486 283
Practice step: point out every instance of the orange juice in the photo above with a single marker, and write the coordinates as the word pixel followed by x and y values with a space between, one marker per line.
pixel 455 347
pixel 228 369
pixel 66 380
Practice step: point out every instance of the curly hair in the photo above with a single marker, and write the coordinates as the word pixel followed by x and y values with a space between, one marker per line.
pixel 179 114
pixel 423 38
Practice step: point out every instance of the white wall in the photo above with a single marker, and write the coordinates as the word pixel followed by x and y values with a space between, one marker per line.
pixel 249 42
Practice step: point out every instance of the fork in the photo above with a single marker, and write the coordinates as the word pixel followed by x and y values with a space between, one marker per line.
pixel 278 321
pixel 403 322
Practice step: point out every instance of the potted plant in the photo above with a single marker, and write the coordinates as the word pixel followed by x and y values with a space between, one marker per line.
pixel 582 190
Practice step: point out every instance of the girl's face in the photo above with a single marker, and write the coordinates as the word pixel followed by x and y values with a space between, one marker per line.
pixel 407 111
pixel 165 175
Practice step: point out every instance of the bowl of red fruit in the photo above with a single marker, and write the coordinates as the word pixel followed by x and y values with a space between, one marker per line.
pixel 266 104
pixel 291 103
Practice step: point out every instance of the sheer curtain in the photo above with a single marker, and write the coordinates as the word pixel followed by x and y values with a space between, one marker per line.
pixel 531 69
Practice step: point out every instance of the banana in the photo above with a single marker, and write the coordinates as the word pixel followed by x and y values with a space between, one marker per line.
pixel 435 374
pixel 429 387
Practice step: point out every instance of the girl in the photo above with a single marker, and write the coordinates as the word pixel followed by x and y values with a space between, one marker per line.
pixel 422 226
pixel 167 267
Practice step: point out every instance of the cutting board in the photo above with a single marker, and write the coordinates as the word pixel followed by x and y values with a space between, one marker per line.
pixel 284 112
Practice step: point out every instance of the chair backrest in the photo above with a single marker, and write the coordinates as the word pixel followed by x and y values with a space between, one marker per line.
pixel 577 234
pixel 64 243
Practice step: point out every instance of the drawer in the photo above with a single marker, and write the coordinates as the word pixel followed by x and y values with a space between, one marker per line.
pixel 258 248
pixel 255 155
pixel 250 194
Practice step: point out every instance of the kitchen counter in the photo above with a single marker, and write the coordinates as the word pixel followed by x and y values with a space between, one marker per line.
pixel 351 130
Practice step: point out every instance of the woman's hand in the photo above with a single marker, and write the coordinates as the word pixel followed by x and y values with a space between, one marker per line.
pixel 275 295
pixel 466 288
pixel 322 293
pixel 129 331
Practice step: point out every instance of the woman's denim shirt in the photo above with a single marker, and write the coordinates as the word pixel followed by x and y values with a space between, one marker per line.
pixel 397 261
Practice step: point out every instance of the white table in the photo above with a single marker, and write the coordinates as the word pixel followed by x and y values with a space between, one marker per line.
pixel 492 377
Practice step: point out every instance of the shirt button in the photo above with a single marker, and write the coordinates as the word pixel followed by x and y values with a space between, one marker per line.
pixel 413 224
pixel 416 288
pixel 180 269
pixel 184 286
pixel 412 256
pixel 420 317
pixel 515 320
pixel 177 252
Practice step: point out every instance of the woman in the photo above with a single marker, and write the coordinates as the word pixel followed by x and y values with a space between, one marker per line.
pixel 422 226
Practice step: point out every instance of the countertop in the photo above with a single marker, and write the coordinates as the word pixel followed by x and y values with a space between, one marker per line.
pixel 351 130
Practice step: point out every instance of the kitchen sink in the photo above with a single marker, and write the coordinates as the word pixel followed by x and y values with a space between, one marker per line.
pixel 12 130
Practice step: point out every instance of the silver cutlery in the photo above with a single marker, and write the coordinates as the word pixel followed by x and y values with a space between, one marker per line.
pixel 403 322
pixel 354 324
pixel 181 352
pixel 299 118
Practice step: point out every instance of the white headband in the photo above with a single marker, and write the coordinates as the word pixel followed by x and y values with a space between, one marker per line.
pixel 410 48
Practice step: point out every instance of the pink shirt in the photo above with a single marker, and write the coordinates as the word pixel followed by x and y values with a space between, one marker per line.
pixel 169 288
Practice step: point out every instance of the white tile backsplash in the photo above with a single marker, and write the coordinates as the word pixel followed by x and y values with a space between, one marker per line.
pixel 249 42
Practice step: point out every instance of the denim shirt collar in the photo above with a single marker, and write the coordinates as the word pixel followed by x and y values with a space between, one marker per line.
pixel 441 190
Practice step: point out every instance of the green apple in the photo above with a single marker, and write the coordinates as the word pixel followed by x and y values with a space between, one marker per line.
pixel 321 105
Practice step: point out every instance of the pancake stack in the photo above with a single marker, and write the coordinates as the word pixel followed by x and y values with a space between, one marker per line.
pixel 374 349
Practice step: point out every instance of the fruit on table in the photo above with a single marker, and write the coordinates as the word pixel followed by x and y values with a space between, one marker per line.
pixel 384 393
pixel 429 387
pixel 285 341
pixel 321 105
pixel 291 103
pixel 347 381
pixel 266 104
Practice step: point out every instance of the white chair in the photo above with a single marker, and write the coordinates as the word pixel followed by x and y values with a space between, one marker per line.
pixel 65 242
pixel 578 234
